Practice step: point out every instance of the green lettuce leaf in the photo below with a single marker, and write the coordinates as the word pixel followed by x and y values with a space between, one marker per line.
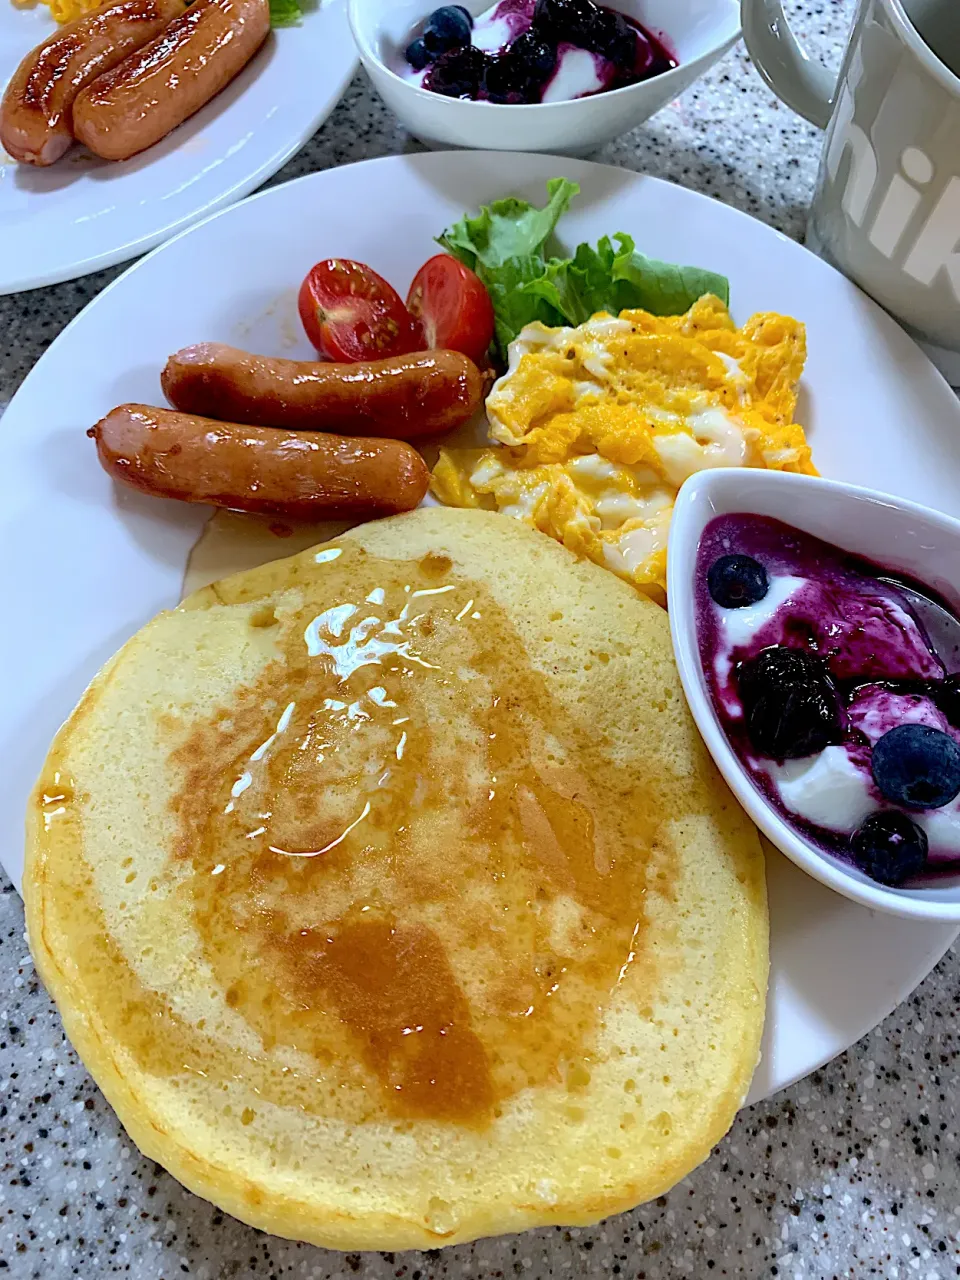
pixel 508 228
pixel 580 286
pixel 516 303
pixel 617 279
pixel 505 245
pixel 285 13
pixel 663 288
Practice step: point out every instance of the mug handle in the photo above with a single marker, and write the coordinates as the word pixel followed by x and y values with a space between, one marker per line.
pixel 803 84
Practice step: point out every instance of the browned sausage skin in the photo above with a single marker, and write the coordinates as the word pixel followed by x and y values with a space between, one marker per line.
pixel 303 475
pixel 157 88
pixel 404 397
pixel 37 109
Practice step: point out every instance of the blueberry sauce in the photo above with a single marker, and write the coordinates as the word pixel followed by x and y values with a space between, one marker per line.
pixel 832 696
pixel 529 51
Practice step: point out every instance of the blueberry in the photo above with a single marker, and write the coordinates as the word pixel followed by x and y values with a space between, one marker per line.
pixel 736 581
pixel 917 766
pixel 458 74
pixel 890 848
pixel 447 28
pixel 789 702
pixel 417 54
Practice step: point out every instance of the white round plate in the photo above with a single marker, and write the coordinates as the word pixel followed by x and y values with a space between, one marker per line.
pixel 83 563
pixel 82 213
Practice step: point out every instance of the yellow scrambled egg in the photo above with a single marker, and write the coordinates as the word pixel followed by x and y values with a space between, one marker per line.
pixel 597 427
pixel 63 10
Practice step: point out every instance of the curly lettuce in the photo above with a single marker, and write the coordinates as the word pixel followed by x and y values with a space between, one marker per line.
pixel 506 245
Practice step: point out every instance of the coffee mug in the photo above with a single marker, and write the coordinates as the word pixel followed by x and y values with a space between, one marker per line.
pixel 886 210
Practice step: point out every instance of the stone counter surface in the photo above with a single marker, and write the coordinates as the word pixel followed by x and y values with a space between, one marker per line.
pixel 851 1173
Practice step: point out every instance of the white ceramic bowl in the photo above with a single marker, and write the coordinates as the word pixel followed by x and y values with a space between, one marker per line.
pixel 698 32
pixel 902 536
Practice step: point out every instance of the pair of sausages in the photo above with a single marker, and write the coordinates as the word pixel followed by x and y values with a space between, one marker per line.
pixel 240 434
pixel 121 78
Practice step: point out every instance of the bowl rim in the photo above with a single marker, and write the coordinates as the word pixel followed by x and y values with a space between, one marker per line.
pixel 687 525
pixel 368 56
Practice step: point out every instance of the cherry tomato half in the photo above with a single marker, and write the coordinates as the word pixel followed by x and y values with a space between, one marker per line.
pixel 453 306
pixel 350 313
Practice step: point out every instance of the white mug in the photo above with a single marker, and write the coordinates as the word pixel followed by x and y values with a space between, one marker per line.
pixel 886 210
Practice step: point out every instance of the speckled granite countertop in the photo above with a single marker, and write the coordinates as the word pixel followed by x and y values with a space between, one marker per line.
pixel 852 1173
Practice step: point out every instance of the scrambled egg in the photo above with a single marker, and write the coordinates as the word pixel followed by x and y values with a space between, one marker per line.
pixel 63 10
pixel 597 427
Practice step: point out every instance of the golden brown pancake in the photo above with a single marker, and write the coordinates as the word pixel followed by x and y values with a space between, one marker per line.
pixel 391 897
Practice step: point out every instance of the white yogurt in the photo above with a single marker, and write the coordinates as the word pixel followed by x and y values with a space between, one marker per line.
pixel 578 73
pixel 491 34
pixel 828 790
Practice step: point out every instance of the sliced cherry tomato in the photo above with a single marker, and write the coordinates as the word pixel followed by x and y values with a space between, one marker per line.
pixel 350 313
pixel 453 306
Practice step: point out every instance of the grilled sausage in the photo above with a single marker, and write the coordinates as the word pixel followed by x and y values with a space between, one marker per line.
pixel 37 109
pixel 404 397
pixel 300 474
pixel 151 92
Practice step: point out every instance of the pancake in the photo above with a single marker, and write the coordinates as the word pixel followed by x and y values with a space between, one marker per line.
pixel 391 897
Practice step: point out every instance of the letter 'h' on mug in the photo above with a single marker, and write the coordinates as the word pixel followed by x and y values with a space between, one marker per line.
pixel 887 205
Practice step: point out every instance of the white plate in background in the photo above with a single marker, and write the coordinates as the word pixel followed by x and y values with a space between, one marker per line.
pixel 82 213
pixel 84 563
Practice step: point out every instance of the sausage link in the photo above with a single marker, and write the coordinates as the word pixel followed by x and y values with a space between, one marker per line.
pixel 154 90
pixel 403 397
pixel 36 113
pixel 301 474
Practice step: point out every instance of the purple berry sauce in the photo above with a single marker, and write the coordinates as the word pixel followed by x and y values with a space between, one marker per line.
pixel 873 664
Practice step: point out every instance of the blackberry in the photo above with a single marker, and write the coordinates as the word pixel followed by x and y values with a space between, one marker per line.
pixel 613 37
pixel 789 702
pixel 458 73
pixel 576 21
pixel 520 73
pixel 534 57
pixel 500 81
pixel 946 694
pixel 779 665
